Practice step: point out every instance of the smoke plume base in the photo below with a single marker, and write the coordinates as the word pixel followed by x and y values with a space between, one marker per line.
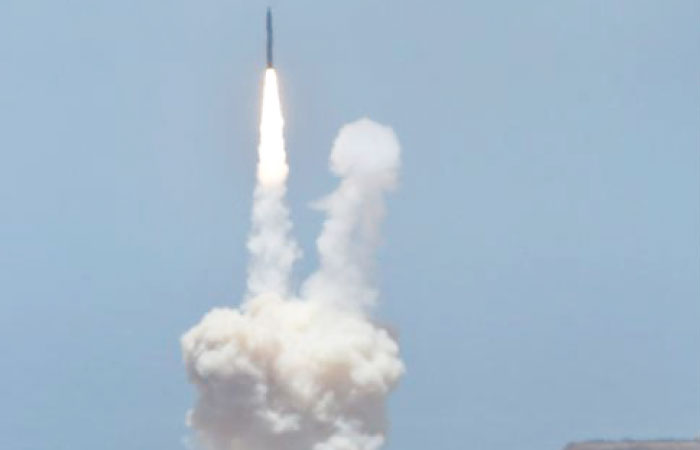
pixel 308 371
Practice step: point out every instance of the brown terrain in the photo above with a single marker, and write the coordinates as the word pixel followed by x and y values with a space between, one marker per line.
pixel 635 445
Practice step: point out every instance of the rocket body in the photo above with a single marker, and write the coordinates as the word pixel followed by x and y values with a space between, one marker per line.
pixel 269 38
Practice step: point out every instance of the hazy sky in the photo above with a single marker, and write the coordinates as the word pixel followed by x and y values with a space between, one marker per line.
pixel 541 260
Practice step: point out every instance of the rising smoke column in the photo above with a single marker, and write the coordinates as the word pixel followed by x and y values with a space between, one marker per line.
pixel 366 157
pixel 309 372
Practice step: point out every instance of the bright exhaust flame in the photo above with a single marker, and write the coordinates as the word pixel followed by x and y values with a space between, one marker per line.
pixel 305 370
pixel 272 164
pixel 271 248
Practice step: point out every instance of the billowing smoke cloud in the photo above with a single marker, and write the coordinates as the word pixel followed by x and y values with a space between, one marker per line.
pixel 307 372
pixel 290 375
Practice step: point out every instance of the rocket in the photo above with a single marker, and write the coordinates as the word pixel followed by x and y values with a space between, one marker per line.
pixel 269 38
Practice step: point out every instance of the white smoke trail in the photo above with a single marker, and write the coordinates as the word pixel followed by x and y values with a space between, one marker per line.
pixel 271 248
pixel 310 373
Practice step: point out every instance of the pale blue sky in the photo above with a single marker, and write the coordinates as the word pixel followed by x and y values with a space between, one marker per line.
pixel 541 261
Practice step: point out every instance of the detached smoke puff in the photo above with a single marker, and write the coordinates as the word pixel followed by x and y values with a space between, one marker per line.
pixel 310 372
pixel 366 148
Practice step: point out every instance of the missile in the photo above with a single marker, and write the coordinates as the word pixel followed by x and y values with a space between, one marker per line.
pixel 269 38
